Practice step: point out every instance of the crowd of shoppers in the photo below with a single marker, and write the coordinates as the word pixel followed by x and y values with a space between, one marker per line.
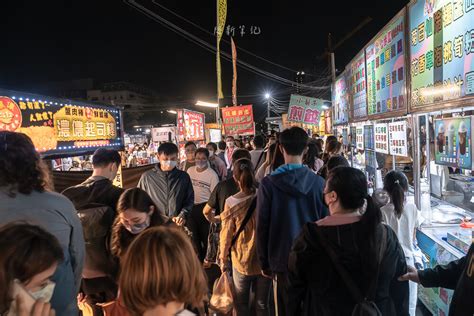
pixel 278 216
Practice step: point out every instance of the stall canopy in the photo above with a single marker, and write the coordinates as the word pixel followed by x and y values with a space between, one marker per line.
pixel 59 127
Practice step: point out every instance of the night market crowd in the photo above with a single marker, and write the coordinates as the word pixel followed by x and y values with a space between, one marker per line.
pixel 286 228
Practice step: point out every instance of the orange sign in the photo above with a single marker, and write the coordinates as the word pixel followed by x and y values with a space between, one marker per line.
pixel 10 115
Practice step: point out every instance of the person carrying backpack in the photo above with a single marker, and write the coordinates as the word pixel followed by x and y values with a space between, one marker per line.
pixel 347 263
pixel 95 201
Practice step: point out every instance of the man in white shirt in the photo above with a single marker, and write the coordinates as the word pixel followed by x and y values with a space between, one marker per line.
pixel 204 180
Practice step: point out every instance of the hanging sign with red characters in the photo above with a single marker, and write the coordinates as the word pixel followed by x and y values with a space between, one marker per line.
pixel 305 109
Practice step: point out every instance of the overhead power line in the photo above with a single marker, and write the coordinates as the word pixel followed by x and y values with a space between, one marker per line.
pixel 171 26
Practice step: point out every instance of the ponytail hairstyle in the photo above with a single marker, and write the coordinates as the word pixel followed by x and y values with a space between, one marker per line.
pixel 243 174
pixel 339 180
pixel 396 184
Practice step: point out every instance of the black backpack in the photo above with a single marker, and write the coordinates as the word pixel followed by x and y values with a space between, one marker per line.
pixel 365 304
pixel 97 220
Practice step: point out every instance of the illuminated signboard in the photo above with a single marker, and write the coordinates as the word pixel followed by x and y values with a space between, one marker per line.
pixel 238 120
pixel 57 127
pixel 190 125
pixel 305 109
pixel 357 85
pixel 453 142
pixel 340 100
pixel 441 50
pixel 385 58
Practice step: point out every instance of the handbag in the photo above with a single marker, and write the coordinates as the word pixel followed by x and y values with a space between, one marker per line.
pixel 365 304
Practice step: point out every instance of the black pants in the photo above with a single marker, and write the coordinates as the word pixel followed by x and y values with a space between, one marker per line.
pixel 199 226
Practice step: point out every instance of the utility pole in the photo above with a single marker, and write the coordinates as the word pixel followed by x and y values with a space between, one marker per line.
pixel 267 96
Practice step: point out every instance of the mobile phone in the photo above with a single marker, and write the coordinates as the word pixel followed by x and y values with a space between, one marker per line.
pixel 27 300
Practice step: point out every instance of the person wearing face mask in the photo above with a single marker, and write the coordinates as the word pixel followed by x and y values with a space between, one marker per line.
pixel 190 150
pixel 217 164
pixel 26 195
pixel 136 212
pixel 204 181
pixel 29 258
pixel 347 255
pixel 230 142
pixel 170 188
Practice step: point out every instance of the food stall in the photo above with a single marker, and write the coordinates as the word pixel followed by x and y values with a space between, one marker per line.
pixel 63 131
pixel 442 102
pixel 411 92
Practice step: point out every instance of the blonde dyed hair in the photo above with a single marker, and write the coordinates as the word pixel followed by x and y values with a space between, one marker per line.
pixel 159 267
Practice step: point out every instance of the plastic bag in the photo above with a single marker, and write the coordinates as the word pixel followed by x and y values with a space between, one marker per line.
pixel 222 299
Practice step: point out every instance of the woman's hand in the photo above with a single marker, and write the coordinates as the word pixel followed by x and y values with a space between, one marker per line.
pixel 39 309
pixel 411 275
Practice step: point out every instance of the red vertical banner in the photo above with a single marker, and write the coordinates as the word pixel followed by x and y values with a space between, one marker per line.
pixel 234 78
pixel 238 120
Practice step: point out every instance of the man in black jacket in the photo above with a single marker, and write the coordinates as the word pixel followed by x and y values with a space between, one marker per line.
pixel 457 275
pixel 98 197
pixel 98 188
pixel 170 188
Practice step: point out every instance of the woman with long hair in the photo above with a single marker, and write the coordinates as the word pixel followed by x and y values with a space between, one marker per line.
pixel 333 148
pixel 136 212
pixel 401 214
pixel 311 158
pixel 260 174
pixel 25 195
pixel 366 249
pixel 29 257
pixel 238 238
pixel 161 274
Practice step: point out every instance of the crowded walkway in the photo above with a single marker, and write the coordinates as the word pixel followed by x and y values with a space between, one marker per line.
pixel 286 228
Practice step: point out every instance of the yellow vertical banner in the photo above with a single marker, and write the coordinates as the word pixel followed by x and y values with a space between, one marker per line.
pixel 234 77
pixel 221 18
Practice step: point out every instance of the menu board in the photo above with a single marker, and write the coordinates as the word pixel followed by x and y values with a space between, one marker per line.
pixel 59 128
pixel 385 57
pixel 369 137
pixel 238 120
pixel 397 135
pixel 305 109
pixel 357 85
pixel 370 160
pixel 190 125
pixel 163 134
pixel 381 138
pixel 353 136
pixel 345 137
pixel 215 135
pixel 441 50
pixel 360 137
pixel 340 100
pixel 453 142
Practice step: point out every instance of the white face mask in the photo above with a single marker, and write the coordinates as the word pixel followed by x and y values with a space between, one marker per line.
pixel 201 164
pixel 44 293
pixel 230 144
pixel 211 153
pixel 169 163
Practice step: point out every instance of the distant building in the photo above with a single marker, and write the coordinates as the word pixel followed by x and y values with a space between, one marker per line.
pixel 121 93
pixel 69 89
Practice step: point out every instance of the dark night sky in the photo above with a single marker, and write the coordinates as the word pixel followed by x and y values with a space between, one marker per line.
pixel 108 40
